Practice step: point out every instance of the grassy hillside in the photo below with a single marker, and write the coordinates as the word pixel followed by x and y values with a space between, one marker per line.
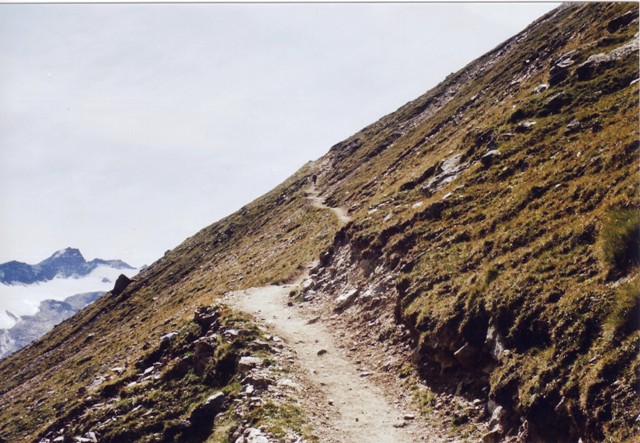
pixel 498 213
pixel 505 202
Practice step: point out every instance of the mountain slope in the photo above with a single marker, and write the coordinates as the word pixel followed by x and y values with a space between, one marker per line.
pixel 496 217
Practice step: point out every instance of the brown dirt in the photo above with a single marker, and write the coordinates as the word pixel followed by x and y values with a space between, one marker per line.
pixel 346 403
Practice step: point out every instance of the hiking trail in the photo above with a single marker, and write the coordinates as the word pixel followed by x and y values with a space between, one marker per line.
pixel 313 196
pixel 360 410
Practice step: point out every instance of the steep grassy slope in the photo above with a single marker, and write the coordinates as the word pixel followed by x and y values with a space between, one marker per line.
pixel 498 213
pixel 494 201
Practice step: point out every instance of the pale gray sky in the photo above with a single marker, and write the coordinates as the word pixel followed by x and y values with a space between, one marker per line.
pixel 125 129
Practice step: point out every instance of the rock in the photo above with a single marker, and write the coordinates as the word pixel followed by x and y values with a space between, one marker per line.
pixel 572 127
pixel 449 164
pixel 205 316
pixel 118 370
pixel 287 382
pixel 261 345
pixel 555 104
pixel 491 406
pixel 307 284
pixel 259 381
pixel 621 21
pixel 598 63
pixel 498 417
pixel 409 417
pixel 313 320
pixel 495 342
pixel 121 284
pixel 526 126
pixel 345 299
pixel 493 436
pixel 541 88
pixel 212 406
pixel 322 351
pixel 248 363
pixel 253 435
pixel 168 337
pixel 560 70
pixel 91 436
pixel 489 158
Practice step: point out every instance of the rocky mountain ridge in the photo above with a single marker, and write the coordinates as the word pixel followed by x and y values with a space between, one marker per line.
pixel 65 263
pixel 50 312
pixel 492 235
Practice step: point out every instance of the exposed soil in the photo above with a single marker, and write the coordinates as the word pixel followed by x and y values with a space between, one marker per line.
pixel 348 406
pixel 313 196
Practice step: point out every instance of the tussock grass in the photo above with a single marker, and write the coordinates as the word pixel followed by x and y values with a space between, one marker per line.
pixel 619 240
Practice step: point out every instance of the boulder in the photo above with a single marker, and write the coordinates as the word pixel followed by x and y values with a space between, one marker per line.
pixel 307 284
pixel 555 104
pixel 205 316
pixel 166 338
pixel 526 126
pixel 498 417
pixel 258 380
pixel 121 284
pixel 213 405
pixel 572 127
pixel 598 63
pixel 560 69
pixel 345 299
pixel 540 88
pixel 495 342
pixel 247 363
pixel 253 435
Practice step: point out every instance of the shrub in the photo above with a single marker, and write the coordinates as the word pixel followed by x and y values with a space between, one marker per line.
pixel 620 241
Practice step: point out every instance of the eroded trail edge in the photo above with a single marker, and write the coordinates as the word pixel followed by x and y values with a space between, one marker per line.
pixel 355 408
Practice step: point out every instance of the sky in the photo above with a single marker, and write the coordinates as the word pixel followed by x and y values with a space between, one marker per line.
pixel 126 128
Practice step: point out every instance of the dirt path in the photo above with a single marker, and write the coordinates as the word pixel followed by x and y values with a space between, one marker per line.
pixel 316 201
pixel 359 410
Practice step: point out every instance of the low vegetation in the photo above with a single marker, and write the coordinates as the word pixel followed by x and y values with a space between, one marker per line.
pixel 501 208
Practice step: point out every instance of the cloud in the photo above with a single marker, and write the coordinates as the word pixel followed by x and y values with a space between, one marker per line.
pixel 126 128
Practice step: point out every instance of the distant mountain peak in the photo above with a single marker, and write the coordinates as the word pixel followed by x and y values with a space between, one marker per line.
pixel 67 262
pixel 67 252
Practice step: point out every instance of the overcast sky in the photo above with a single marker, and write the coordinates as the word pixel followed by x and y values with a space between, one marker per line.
pixel 125 129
